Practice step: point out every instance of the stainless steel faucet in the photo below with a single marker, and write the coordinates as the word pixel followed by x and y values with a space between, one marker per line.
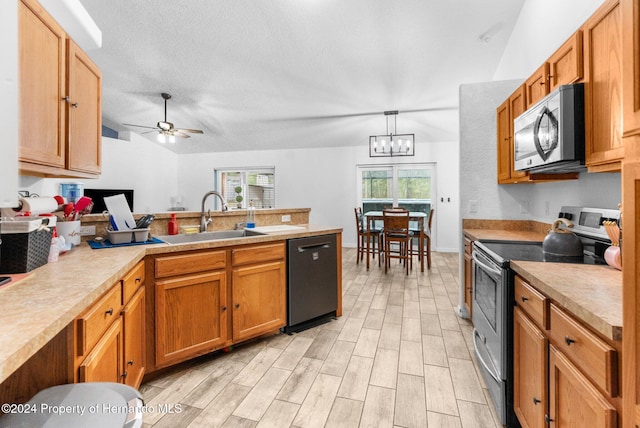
pixel 204 222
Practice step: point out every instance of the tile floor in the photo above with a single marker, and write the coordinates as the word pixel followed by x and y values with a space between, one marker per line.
pixel 398 357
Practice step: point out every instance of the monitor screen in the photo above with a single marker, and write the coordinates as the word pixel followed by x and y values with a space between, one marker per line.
pixel 97 196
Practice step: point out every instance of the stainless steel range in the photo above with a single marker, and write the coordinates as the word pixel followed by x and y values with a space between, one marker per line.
pixel 493 284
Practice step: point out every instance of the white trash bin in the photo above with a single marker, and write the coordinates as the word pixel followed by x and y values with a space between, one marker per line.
pixel 80 405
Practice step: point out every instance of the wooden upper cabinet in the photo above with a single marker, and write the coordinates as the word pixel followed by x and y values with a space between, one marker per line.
pixel 517 106
pixel 537 86
pixel 504 141
pixel 59 100
pixel 566 64
pixel 631 65
pixel 42 51
pixel 603 88
pixel 84 114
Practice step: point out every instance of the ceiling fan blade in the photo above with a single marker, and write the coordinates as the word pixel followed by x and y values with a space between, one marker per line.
pixel 191 131
pixel 179 133
pixel 140 126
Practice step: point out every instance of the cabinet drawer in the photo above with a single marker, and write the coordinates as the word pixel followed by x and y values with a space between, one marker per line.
pixel 190 263
pixel 257 254
pixel 97 319
pixel 595 358
pixel 132 281
pixel 532 303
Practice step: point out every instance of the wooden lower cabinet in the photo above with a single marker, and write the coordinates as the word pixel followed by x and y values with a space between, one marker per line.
pixel 134 347
pixel 259 300
pixel 559 367
pixel 574 401
pixel 104 362
pixel 468 276
pixel 191 316
pixel 530 397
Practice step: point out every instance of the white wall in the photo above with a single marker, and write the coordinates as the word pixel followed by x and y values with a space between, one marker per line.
pixel 8 103
pixel 139 164
pixel 325 181
pixel 543 25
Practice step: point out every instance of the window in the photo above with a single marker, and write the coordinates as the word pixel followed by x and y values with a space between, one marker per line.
pixel 409 186
pixel 240 186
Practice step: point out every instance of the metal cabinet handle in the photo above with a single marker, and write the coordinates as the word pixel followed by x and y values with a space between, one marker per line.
pixel 124 374
pixel 523 298
pixel 139 279
pixel 547 419
pixel 569 340
pixel 130 362
pixel 237 305
pixel 109 312
pixel 536 401
pixel 74 105
pixel 66 99
pixel 224 308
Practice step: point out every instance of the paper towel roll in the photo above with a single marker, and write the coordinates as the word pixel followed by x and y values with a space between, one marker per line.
pixel 36 206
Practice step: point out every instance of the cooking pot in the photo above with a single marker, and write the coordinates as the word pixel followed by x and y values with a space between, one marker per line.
pixel 561 243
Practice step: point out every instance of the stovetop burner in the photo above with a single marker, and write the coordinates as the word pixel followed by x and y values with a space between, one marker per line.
pixel 504 251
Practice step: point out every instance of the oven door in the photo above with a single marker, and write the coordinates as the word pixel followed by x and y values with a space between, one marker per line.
pixel 489 321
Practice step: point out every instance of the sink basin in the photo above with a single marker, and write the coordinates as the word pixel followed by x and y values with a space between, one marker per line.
pixel 207 236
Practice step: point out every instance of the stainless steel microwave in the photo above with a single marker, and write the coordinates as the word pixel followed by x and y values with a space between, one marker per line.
pixel 549 136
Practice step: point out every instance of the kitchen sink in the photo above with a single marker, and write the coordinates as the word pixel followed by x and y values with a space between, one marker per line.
pixel 207 236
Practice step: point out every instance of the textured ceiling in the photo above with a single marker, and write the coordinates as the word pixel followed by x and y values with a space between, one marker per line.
pixel 294 73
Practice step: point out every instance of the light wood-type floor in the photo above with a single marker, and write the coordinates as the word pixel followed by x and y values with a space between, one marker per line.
pixel 398 357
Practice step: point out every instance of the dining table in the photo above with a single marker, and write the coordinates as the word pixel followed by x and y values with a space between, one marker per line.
pixel 416 216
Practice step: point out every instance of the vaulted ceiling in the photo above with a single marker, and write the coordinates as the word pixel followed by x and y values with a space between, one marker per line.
pixel 266 74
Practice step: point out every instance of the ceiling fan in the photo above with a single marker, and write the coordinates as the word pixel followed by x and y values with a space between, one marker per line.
pixel 166 131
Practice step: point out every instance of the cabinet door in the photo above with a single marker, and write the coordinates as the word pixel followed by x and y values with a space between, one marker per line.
pixel 191 316
pixel 259 300
pixel 104 362
pixel 529 372
pixel 631 289
pixel 517 106
pixel 133 319
pixel 566 64
pixel 537 86
pixel 574 401
pixel 603 89
pixel 504 142
pixel 631 65
pixel 84 114
pixel 42 44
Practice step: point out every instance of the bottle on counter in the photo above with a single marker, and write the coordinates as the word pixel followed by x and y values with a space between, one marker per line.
pixel 54 250
pixel 251 216
pixel 173 225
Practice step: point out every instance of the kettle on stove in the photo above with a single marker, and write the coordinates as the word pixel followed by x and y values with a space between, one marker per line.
pixel 561 243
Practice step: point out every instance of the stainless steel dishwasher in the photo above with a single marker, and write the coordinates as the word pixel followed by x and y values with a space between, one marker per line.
pixel 312 281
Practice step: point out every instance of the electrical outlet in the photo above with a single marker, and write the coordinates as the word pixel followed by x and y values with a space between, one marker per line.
pixel 87 230
pixel 286 218
pixel 473 206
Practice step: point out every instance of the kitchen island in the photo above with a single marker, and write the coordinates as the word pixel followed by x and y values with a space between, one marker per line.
pixel 41 308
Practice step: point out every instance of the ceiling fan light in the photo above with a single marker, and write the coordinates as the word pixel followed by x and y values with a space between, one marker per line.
pixel 162 138
pixel 172 138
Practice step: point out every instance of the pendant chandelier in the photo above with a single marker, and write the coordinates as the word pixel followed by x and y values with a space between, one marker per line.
pixel 391 144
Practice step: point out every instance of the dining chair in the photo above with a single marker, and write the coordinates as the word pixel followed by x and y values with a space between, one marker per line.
pixel 396 231
pixel 372 236
pixel 426 235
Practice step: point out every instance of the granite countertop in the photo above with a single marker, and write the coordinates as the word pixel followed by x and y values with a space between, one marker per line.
pixel 593 293
pixel 35 309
